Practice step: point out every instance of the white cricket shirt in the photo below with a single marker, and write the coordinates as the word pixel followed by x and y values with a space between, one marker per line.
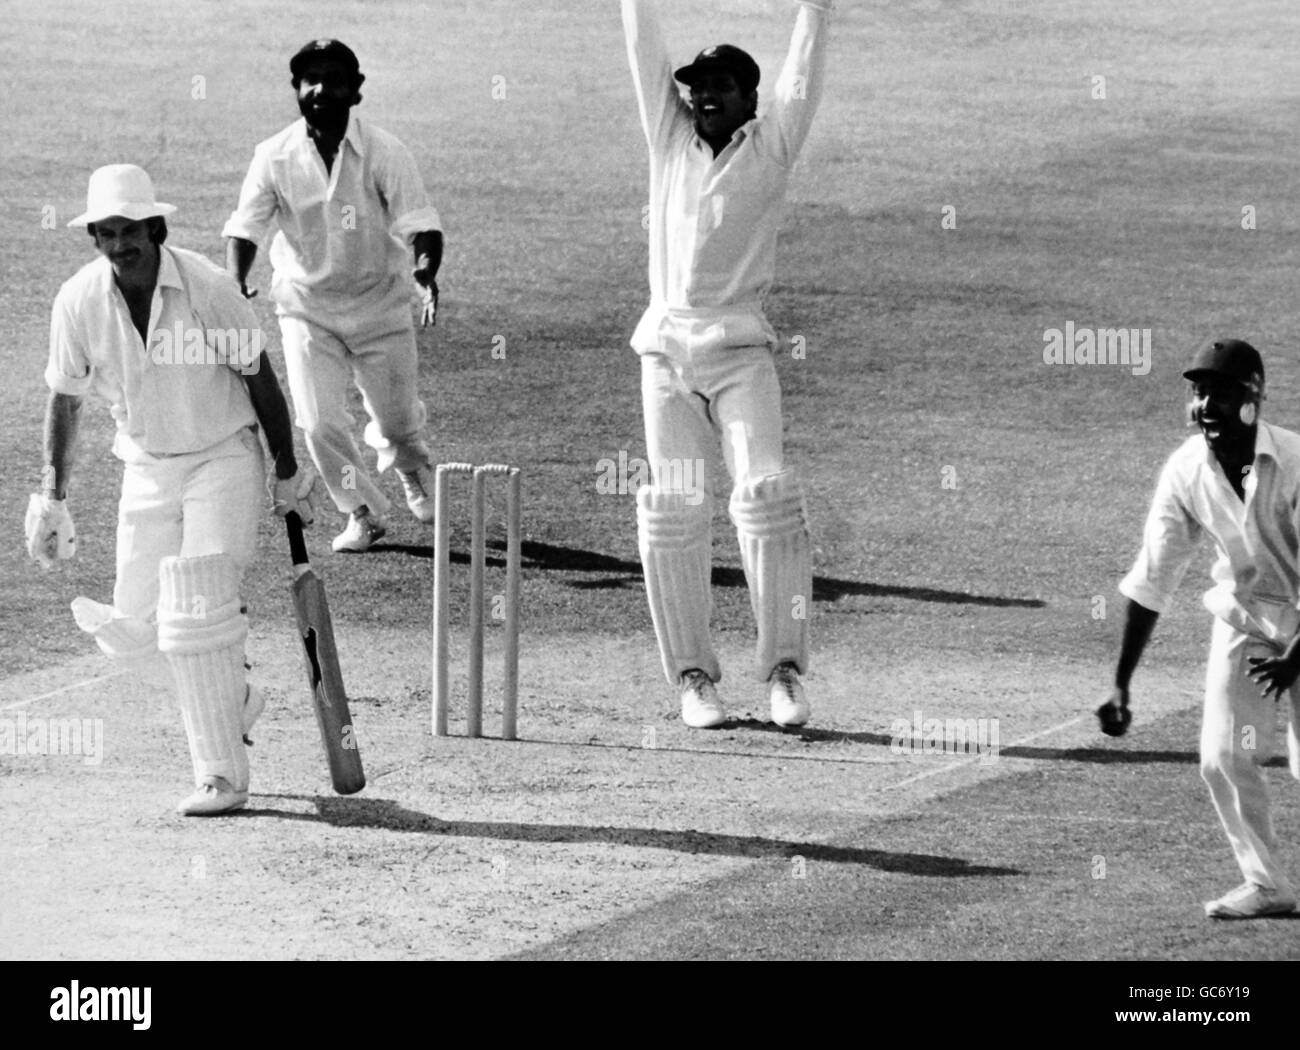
pixel 342 251
pixel 182 390
pixel 1257 541
pixel 714 221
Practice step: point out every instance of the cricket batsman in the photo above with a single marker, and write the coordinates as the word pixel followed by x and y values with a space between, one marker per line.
pixel 166 339
pixel 1237 482
pixel 718 178
pixel 350 204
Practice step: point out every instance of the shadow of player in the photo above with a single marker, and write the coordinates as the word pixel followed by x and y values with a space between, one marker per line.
pixel 388 815
pixel 620 572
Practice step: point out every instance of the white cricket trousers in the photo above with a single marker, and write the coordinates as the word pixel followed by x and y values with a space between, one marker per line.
pixel 1237 737
pixel 381 359
pixel 198 503
pixel 694 397
pixel 693 400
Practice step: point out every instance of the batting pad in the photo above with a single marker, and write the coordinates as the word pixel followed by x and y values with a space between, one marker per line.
pixel 775 549
pixel 676 554
pixel 131 642
pixel 201 630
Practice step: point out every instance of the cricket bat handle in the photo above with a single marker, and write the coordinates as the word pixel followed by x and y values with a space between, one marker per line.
pixel 297 541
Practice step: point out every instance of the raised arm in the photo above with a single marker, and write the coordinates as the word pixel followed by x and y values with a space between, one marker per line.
pixel 798 88
pixel 657 96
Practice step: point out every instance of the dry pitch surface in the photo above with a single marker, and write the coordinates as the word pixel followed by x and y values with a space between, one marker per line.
pixel 610 830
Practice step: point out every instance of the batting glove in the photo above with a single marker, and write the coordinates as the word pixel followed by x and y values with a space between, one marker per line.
pixel 51 535
pixel 298 493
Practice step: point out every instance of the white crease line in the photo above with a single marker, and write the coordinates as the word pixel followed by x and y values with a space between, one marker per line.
pixel 949 767
pixel 61 689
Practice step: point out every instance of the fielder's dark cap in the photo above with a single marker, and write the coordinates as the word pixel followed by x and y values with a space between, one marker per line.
pixel 324 48
pixel 1232 358
pixel 722 58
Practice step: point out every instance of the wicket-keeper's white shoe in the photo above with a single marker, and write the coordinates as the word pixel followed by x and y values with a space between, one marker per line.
pixel 701 708
pixel 215 795
pixel 1251 901
pixel 785 695
pixel 363 531
pixel 418 484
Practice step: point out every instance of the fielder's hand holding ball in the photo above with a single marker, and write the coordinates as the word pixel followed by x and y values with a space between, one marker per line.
pixel 1236 483
pixel 1114 714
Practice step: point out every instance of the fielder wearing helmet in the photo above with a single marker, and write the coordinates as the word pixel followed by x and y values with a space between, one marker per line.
pixel 1237 482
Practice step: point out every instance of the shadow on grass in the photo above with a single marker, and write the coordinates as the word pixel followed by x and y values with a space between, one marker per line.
pixel 622 573
pixel 387 815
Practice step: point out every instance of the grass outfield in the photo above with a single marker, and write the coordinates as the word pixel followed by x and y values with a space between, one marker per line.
pixel 924 345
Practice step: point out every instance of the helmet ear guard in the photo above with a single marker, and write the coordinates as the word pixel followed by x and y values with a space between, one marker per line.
pixel 1249 411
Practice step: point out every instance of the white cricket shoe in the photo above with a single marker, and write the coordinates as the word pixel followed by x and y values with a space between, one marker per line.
pixel 1251 901
pixel 215 795
pixel 785 695
pixel 363 531
pixel 701 708
pixel 418 484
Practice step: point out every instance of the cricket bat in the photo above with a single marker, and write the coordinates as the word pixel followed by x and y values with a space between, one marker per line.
pixel 328 698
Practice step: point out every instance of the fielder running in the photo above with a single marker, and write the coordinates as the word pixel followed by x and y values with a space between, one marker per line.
pixel 349 201
pixel 165 337
pixel 1238 483
pixel 718 177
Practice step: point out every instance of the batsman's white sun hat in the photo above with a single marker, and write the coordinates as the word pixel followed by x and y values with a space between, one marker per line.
pixel 120 189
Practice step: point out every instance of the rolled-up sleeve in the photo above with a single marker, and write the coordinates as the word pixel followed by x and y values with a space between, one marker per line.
pixel 1169 542
pixel 258 202
pixel 408 206
pixel 69 370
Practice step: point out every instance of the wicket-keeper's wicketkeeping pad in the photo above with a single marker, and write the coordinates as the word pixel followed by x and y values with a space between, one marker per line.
pixel 328 698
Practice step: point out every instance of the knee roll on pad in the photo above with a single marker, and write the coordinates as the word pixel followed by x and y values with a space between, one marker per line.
pixel 769 506
pixel 201 630
pixel 776 551
pixel 675 538
pixel 672 519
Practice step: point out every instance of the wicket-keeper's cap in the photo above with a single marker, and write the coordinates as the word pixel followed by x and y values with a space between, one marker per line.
pixel 324 48
pixel 120 189
pixel 722 58
pixel 1232 358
